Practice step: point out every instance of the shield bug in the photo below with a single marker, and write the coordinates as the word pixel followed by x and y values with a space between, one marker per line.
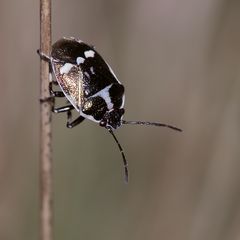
pixel 91 88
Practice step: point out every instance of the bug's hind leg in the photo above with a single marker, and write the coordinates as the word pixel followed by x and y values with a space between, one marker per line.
pixel 72 123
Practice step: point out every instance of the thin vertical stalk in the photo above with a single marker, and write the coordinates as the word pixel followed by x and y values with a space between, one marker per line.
pixel 46 176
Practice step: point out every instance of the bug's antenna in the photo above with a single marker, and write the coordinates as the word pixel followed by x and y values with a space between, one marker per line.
pixel 125 163
pixel 157 124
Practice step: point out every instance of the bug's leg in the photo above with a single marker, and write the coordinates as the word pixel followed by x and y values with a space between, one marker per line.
pixel 70 123
pixel 43 56
pixel 47 59
pixel 67 108
pixel 51 98
pixel 55 93
pixel 54 82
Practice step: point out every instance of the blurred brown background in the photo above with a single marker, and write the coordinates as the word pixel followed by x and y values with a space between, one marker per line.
pixel 180 64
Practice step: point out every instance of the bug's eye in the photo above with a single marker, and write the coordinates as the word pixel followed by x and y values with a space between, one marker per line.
pixel 103 123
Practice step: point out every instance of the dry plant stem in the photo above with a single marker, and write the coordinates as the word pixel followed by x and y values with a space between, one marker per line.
pixel 46 186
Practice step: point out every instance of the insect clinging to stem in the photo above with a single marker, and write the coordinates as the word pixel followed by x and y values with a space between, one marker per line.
pixel 91 87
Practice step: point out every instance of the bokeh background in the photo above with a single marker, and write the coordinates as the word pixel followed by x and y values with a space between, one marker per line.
pixel 180 64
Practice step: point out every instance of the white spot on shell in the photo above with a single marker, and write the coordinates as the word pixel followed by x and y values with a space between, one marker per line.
pixel 66 68
pixel 89 53
pixel 80 60
pixel 104 93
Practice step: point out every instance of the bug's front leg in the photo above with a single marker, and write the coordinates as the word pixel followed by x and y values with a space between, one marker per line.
pixel 43 56
pixel 46 58
pixel 73 123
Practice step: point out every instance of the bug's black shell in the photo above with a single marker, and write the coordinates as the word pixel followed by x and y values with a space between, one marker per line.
pixel 86 79
pixel 68 50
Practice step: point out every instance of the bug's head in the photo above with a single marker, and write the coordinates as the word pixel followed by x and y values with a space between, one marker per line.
pixel 112 119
